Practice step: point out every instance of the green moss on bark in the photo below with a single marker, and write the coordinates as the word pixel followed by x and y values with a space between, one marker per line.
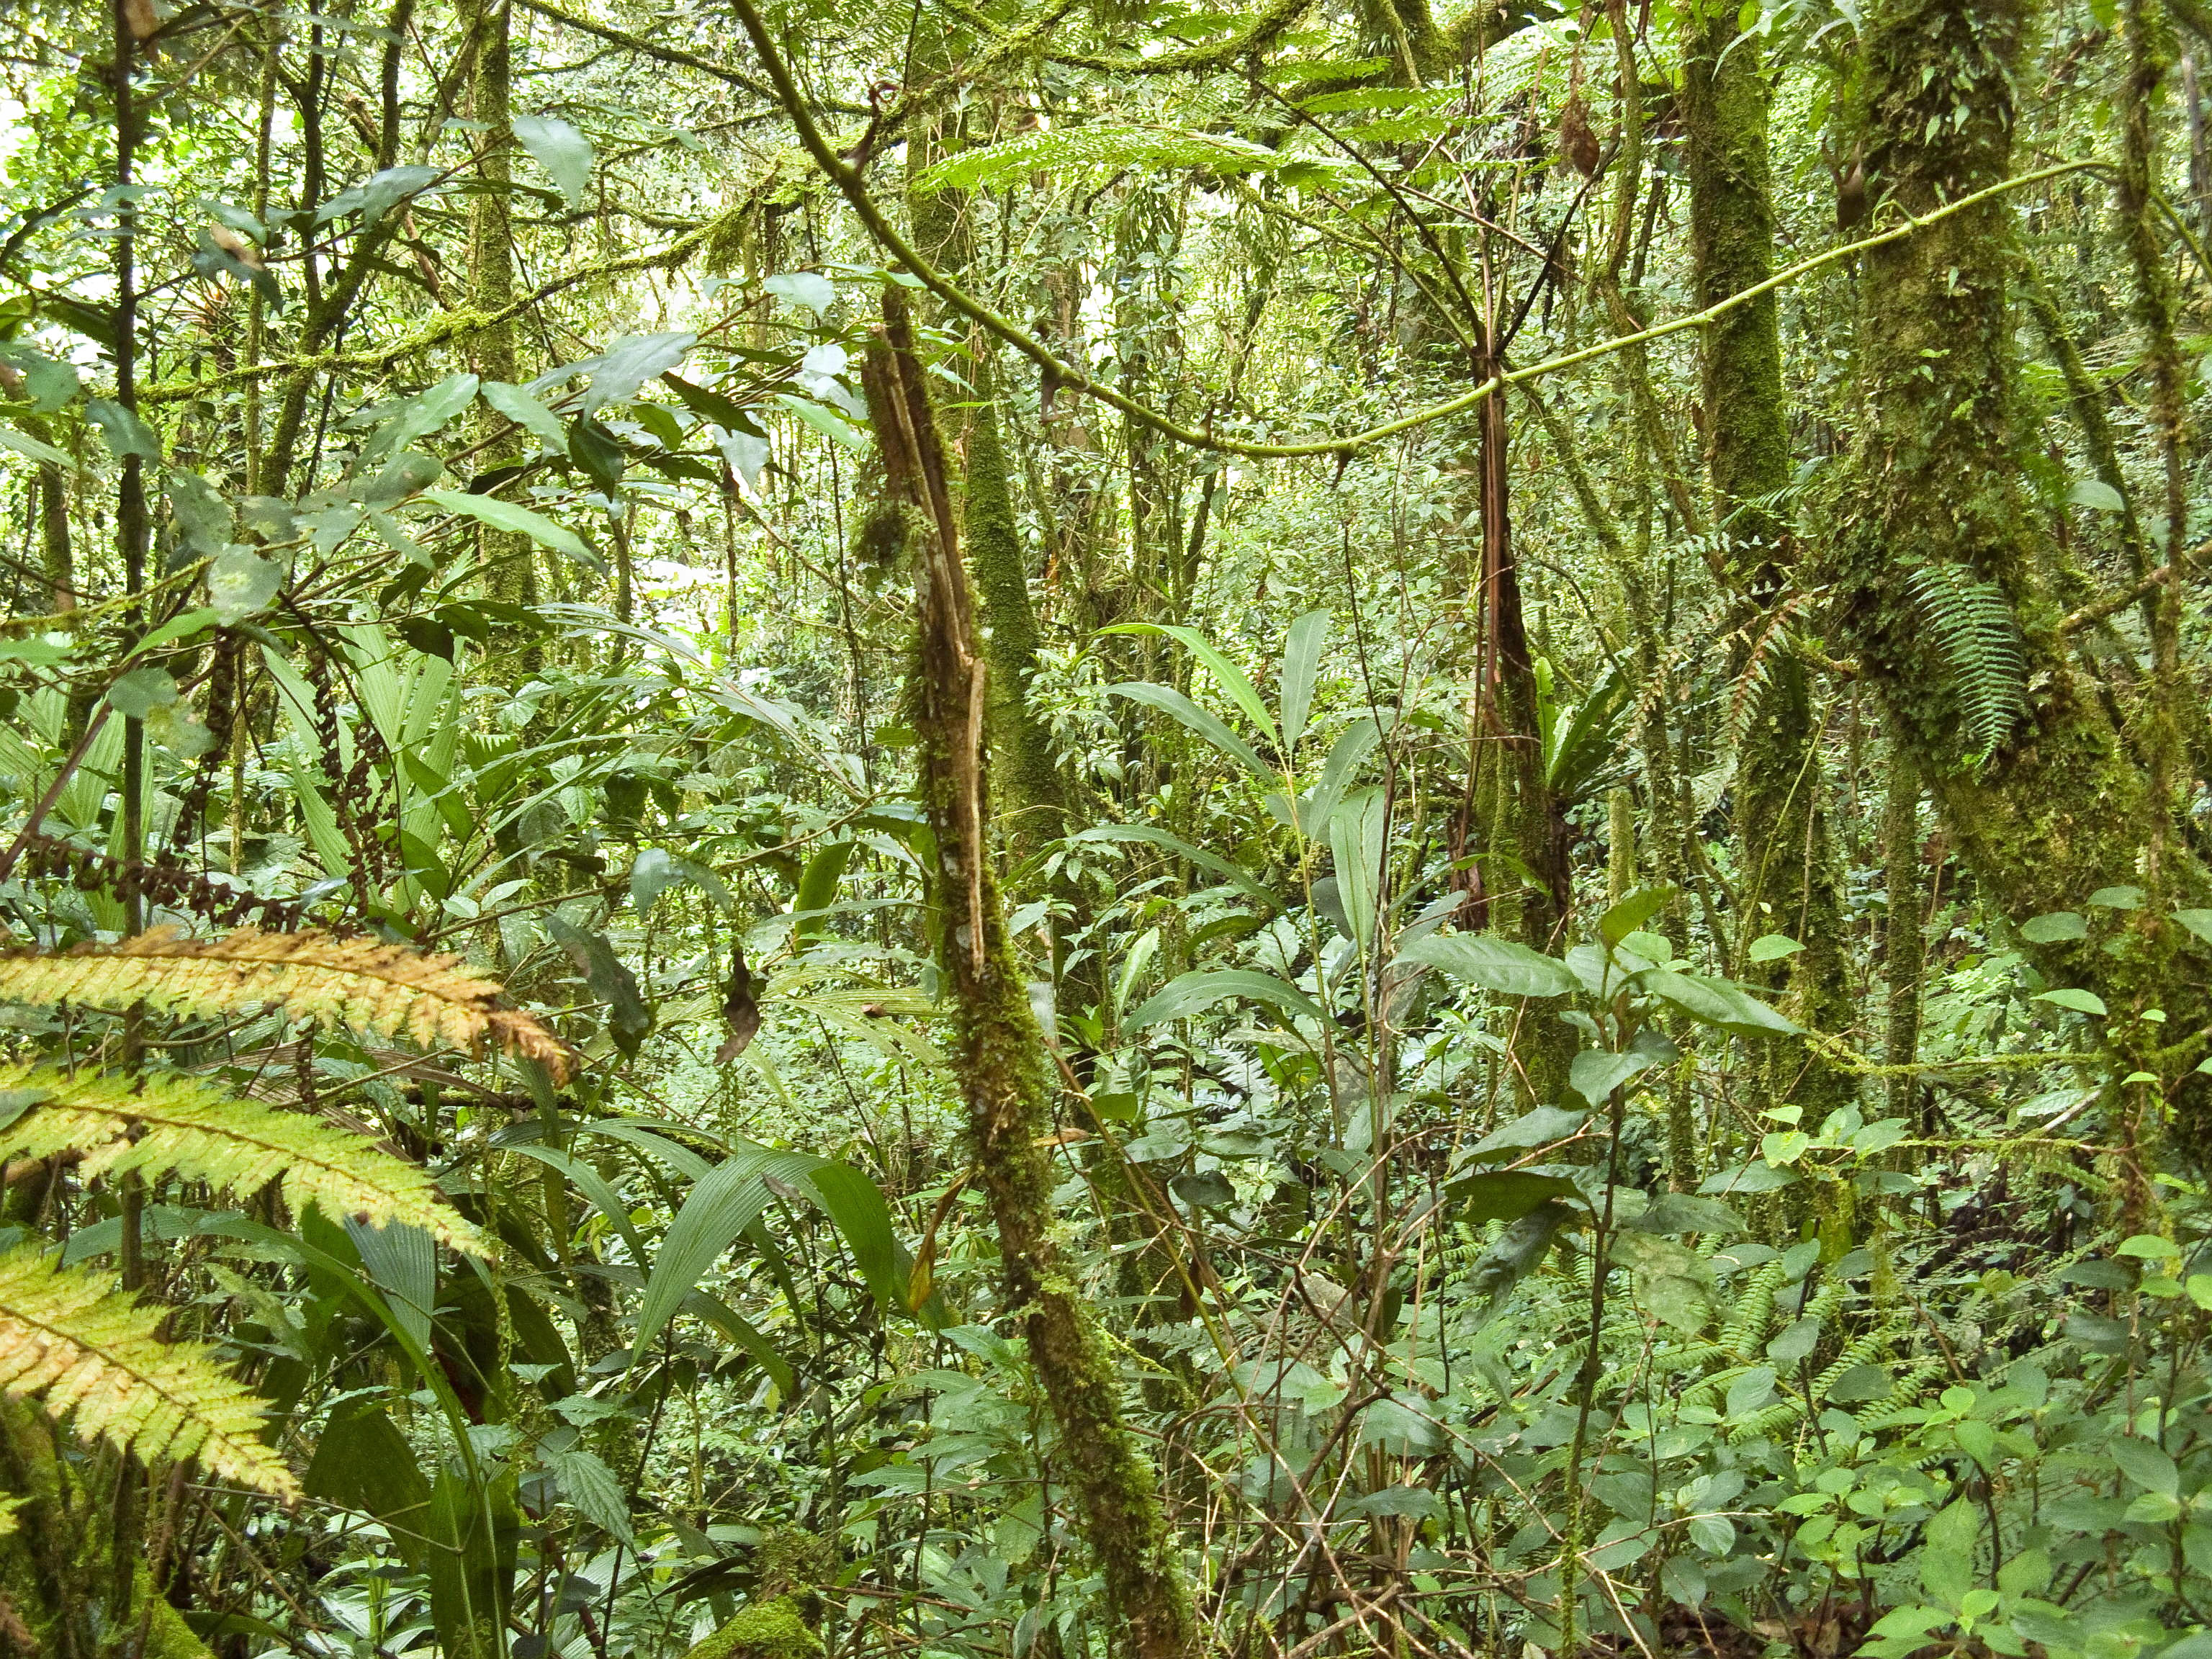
pixel 2064 805
pixel 1792 878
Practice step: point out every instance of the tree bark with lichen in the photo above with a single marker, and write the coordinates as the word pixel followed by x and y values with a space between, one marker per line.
pixel 999 1050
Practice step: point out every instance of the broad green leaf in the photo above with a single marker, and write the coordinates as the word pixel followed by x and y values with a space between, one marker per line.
pixel 138 693
pixel 588 1484
pixel 1194 993
pixel 2095 495
pixel 1633 911
pixel 2198 922
pixel 526 411
pixel 630 363
pixel 426 412
pixel 2081 1002
pixel 1301 655
pixel 2146 1464
pixel 241 583
pixel 1716 1002
pixel 1507 1195
pixel 1207 724
pixel 1148 835
pixel 1772 947
pixel 1540 1127
pixel 126 433
pixel 657 871
pixel 1494 964
pixel 1359 840
pixel 804 288
pixel 519 521
pixel 2050 928
pixel 563 152
pixel 1756 1176
pixel 1594 1073
pixel 826 422
pixel 630 1019
pixel 363 1463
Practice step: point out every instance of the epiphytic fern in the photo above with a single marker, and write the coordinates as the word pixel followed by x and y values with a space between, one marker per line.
pixel 1980 647
pixel 69 1337
pixel 383 989
pixel 151 1124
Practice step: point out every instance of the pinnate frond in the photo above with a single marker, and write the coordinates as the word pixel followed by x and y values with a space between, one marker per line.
pixel 388 989
pixel 1979 643
pixel 1099 144
pixel 69 1337
pixel 152 1124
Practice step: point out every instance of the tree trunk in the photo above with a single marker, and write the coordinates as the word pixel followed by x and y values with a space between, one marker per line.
pixel 998 1049
pixel 1936 552
pixel 1791 880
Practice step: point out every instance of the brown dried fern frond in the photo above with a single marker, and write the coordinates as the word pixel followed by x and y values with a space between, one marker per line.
pixel 152 1124
pixel 386 989
pixel 86 1350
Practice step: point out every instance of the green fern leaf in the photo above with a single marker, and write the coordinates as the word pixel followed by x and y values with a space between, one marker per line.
pixel 360 982
pixel 1980 647
pixel 1100 144
pixel 91 1353
pixel 153 1124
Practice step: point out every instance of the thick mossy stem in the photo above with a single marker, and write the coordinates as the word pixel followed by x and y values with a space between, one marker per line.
pixel 1903 938
pixel 999 1050
pixel 1792 878
pixel 1021 744
pixel 2063 804
pixel 783 1620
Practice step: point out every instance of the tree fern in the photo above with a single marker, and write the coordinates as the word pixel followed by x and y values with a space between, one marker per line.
pixel 70 1337
pixel 1979 643
pixel 372 987
pixel 153 1124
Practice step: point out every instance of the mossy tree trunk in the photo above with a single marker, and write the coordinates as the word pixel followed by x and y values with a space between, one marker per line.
pixel 491 276
pixel 2063 804
pixel 1791 879
pixel 999 1050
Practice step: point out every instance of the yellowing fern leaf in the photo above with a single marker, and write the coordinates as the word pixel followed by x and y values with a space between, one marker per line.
pixel 371 986
pixel 168 1122
pixel 90 1352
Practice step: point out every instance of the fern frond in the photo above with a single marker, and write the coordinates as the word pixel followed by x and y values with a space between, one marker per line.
pixel 1979 643
pixel 383 989
pixel 151 1124
pixel 1100 143
pixel 69 1337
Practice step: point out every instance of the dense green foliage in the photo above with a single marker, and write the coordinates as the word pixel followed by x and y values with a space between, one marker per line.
pixel 1338 829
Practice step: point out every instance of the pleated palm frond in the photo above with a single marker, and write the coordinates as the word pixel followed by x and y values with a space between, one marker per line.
pixel 172 1123
pixel 386 989
pixel 90 1354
